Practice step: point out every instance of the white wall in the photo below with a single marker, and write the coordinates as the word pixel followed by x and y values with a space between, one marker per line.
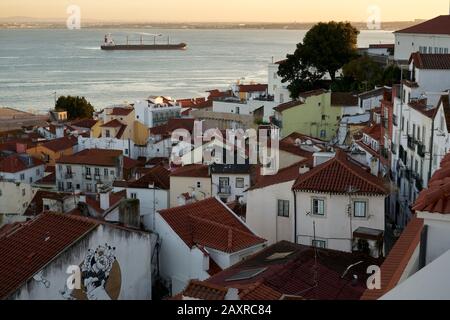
pixel 135 265
pixel 215 178
pixel 335 226
pixel 150 201
pixel 30 175
pixel 127 146
pixel 14 200
pixel 262 212
pixel 405 44
pixel 178 262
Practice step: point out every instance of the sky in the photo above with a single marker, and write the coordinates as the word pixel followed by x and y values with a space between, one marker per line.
pixel 227 10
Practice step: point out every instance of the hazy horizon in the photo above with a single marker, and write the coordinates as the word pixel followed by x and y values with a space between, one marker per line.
pixel 231 11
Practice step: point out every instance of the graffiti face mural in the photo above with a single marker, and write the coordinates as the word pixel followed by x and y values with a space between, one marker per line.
pixel 100 276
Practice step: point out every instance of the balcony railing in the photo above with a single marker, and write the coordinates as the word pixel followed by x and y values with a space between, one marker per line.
pixel 395 120
pixel 225 190
pixel 421 150
pixel 68 175
pixel 411 143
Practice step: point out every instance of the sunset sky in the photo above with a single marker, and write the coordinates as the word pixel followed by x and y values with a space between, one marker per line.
pixel 226 10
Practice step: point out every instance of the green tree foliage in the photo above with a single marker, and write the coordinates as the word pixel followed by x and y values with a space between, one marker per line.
pixel 76 107
pixel 325 49
pixel 365 72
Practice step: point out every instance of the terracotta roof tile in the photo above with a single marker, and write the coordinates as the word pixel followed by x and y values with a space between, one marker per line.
pixel 252 87
pixel 113 124
pixel 287 105
pixel 158 175
pixel 211 224
pixel 338 175
pixel 438 25
pixel 430 61
pixel 290 173
pixel 85 123
pixel 61 144
pixel 120 111
pixel 204 291
pixel 194 170
pixel 29 248
pixel 100 157
pixel 16 163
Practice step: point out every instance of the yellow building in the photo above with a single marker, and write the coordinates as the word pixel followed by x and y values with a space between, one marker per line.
pixel 53 150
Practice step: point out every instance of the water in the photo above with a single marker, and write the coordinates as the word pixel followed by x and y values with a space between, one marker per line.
pixel 36 63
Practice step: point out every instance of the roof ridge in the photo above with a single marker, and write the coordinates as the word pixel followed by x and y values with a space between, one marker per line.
pixel 314 171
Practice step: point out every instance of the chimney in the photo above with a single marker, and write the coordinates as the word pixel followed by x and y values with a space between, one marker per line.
pixel 303 169
pixel 59 131
pixel 322 157
pixel 129 214
pixel 105 193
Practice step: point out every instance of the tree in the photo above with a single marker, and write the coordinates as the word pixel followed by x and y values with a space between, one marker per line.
pixel 299 73
pixel 391 75
pixel 365 72
pixel 329 46
pixel 76 107
pixel 325 49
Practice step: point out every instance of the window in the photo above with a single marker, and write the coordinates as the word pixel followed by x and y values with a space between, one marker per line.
pixel 199 184
pixel 283 208
pixel 126 151
pixel 324 117
pixel 319 244
pixel 318 207
pixel 38 172
pixel 69 185
pixel 89 187
pixel 360 209
pixel 97 171
pixel 78 186
pixel 107 133
pixel 112 172
pixel 88 171
pixel 239 182
pixel 22 176
pixel 69 169
pixel 105 172
pixel 23 192
pixel 323 133
pixel 133 195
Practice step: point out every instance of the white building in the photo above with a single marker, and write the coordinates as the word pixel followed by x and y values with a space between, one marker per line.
pixel 62 246
pixel 340 206
pixel 127 146
pixel 21 168
pixel 14 200
pixel 421 131
pixel 230 182
pixel 201 239
pixel 152 190
pixel 88 169
pixel 432 36
pixel 155 111
pixel 270 205
pixel 276 87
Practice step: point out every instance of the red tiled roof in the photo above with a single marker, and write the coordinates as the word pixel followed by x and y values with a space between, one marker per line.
pixel 121 131
pixel 28 249
pixel 172 125
pixel 338 175
pixel 294 274
pixel 194 170
pixel 61 144
pixel 210 223
pixel 85 123
pixel 438 25
pixel 374 131
pixel 312 93
pixel 119 111
pixel 114 198
pixel 287 105
pixel 113 124
pixel 422 107
pixel 158 175
pixel 100 157
pixel 343 99
pixel 436 199
pixel 16 163
pixel 396 262
pixel 382 46
pixel 284 175
pixel 48 180
pixel 129 163
pixel 252 87
pixel 430 61
pixel 204 291
pixel 36 206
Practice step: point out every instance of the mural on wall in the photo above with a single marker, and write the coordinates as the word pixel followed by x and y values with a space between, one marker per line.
pixel 100 276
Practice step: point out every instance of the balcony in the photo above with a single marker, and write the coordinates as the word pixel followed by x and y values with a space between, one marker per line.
pixel 411 143
pixel 419 183
pixel 421 150
pixel 224 190
pixel 384 153
pixel 68 175
pixel 395 120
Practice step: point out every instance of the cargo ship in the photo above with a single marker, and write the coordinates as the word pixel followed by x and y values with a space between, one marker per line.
pixel 109 44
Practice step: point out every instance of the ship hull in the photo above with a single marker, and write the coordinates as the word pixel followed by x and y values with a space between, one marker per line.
pixel 181 46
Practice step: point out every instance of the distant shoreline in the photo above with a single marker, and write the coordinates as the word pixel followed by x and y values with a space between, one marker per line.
pixel 386 26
